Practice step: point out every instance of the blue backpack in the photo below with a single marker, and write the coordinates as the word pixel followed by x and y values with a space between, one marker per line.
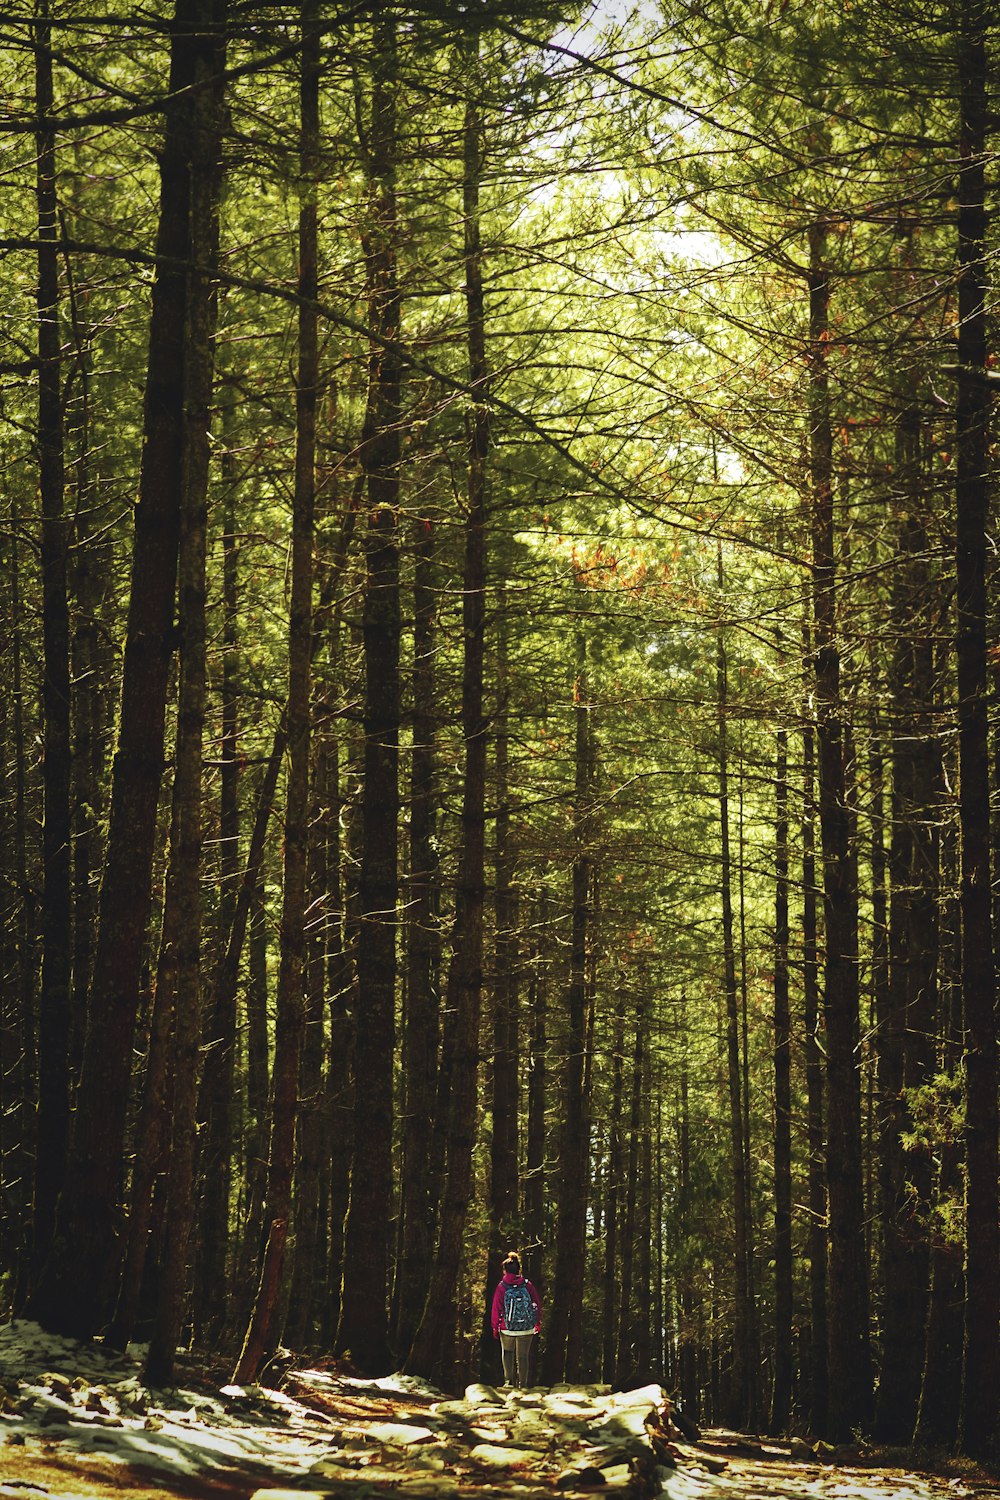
pixel 519 1312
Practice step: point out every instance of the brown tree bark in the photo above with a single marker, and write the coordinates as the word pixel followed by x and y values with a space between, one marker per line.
pixel 781 1394
pixel 743 1379
pixel 423 954
pixel 534 1146
pixel 216 1101
pixel 430 1355
pixel 502 1067
pixel 363 1327
pixel 816 1136
pixel 263 1330
pixel 981 1374
pixel 612 1210
pixel 562 1353
pixel 625 1368
pixel 908 1060
pixel 850 1364
pixel 184 872
pixel 75 1291
pixel 52 1119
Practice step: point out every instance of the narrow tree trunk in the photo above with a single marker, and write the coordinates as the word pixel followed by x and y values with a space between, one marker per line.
pixel 303 1303
pixel 742 1399
pixel 609 1288
pixel 75 1292
pixel 429 1355
pixel 913 921
pixel 624 1347
pixel 184 874
pixel 263 1331
pixel 534 1146
pixel 981 1374
pixel 781 1395
pixel 565 1319
pixel 941 1387
pixel 423 954
pixel 52 1122
pixel 216 1104
pixel 503 1203
pixel 816 1139
pixel 850 1366
pixel 338 1081
pixel 364 1308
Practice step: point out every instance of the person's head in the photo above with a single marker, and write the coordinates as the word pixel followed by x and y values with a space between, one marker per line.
pixel 512 1264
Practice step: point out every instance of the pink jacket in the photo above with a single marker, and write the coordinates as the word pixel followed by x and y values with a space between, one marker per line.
pixel 506 1281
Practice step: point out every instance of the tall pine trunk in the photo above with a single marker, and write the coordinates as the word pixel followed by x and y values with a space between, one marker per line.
pixel 981 1374
pixel 364 1310
pixel 781 1395
pixel 52 1122
pixel 562 1354
pixel 850 1365
pixel 423 954
pixel 75 1291
pixel 743 1387
pixel 431 1353
pixel 264 1330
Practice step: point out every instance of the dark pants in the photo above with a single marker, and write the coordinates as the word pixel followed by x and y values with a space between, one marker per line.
pixel 516 1350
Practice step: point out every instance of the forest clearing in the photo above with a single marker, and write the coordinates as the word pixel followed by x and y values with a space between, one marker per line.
pixel 500 724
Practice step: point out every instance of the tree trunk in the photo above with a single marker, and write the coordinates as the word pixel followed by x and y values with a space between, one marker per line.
pixel 941 1387
pixel 850 1366
pixel 743 1377
pixel 423 954
pixel 75 1291
pixel 817 1237
pixel 912 1013
pixel 263 1330
pixel 52 1120
pixel 534 1146
pixel 609 1288
pixel 215 1111
pixel 430 1353
pixel 503 1069
pixel 981 1374
pixel 624 1348
pixel 781 1395
pixel 363 1325
pixel 184 874
pixel 565 1319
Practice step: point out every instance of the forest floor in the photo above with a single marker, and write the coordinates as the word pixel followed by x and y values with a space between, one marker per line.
pixel 76 1421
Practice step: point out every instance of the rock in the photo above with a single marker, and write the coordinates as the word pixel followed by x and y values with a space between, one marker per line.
pixel 586 1478
pixel 626 1421
pixel 96 1402
pixel 644 1395
pixel 15 1440
pixel 497 1456
pixel 398 1434
pixel 483 1395
pixel 801 1451
pixel 684 1424
pixel 54 1416
pixel 430 1485
pixel 59 1385
pixel 153 1424
pixel 272 1494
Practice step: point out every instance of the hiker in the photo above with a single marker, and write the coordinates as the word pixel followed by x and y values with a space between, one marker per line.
pixel 517 1317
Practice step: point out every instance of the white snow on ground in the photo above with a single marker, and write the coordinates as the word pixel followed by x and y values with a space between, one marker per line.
pixel 180 1431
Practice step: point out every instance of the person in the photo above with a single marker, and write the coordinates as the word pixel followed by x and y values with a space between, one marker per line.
pixel 517 1318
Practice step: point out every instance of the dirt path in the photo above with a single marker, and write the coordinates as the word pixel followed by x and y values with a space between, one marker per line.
pixel 75 1421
